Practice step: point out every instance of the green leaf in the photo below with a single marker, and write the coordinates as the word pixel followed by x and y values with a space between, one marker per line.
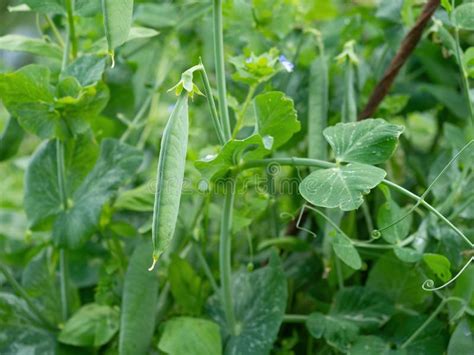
pixel 388 213
pixel 31 45
pixel 10 139
pixel 46 6
pixel 408 255
pixel 259 306
pixel 14 311
pixel 185 335
pixel 188 289
pixel 233 153
pixel 462 340
pixel 338 333
pixel 117 162
pixel 26 339
pixel 170 176
pixel 370 344
pixel 138 32
pixel 276 117
pixel 354 309
pixel 117 21
pixel 28 96
pixel 464 16
pixel 254 69
pixel 365 307
pixel 370 141
pixel 139 199
pixel 397 280
pixel 140 295
pixel 345 250
pixel 87 69
pixel 439 264
pixel 342 186
pixel 92 325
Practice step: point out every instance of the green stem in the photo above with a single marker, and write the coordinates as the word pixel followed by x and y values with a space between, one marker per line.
pixel 212 105
pixel 463 72
pixel 23 294
pixel 60 166
pixel 349 105
pixel 71 28
pixel 324 164
pixel 220 69
pixel 225 258
pixel 206 268
pixel 295 318
pixel 241 113
pixel 429 320
pixel 56 33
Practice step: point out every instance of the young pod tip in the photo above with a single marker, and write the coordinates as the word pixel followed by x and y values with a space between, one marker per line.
pixel 155 260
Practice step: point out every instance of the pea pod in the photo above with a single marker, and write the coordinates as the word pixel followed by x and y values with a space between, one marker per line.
pixel 170 174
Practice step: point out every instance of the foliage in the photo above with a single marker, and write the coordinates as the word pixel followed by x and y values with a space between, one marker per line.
pixel 219 142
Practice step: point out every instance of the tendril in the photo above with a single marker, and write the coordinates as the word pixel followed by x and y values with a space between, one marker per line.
pixel 300 216
pixel 422 197
pixel 428 285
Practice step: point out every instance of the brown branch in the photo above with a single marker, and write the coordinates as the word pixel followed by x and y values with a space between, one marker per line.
pixel 406 48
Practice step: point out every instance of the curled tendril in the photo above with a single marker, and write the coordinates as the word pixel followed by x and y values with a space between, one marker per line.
pixel 273 169
pixel 429 284
pixel 376 234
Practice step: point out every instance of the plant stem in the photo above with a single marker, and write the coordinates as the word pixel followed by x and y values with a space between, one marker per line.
pixel 220 69
pixel 426 322
pixel 71 28
pixel 23 294
pixel 462 69
pixel 212 105
pixel 225 258
pixel 295 318
pixel 206 268
pixel 324 164
pixel 56 33
pixel 62 252
pixel 241 113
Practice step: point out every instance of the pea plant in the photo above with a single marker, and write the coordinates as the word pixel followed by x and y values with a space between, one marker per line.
pixel 237 177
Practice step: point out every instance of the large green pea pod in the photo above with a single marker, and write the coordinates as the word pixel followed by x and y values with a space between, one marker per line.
pixel 170 176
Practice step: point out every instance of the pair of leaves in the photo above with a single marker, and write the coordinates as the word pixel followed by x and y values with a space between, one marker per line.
pixel 65 111
pixel 276 124
pixel 354 309
pixel 360 144
pixel 259 306
pixel 117 162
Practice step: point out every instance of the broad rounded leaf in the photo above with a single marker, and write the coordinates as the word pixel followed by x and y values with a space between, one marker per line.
pixel 462 340
pixel 346 251
pixel 30 45
pixel 370 141
pixel 338 333
pixel 439 264
pixel 276 117
pixel 259 306
pixel 10 139
pixel 464 16
pixel 233 153
pixel 342 186
pixel 408 255
pixel 92 325
pixel 185 335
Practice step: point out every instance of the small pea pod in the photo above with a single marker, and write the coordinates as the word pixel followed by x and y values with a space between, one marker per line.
pixel 170 175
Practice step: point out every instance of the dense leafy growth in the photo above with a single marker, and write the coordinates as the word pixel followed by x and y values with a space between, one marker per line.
pixel 237 177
